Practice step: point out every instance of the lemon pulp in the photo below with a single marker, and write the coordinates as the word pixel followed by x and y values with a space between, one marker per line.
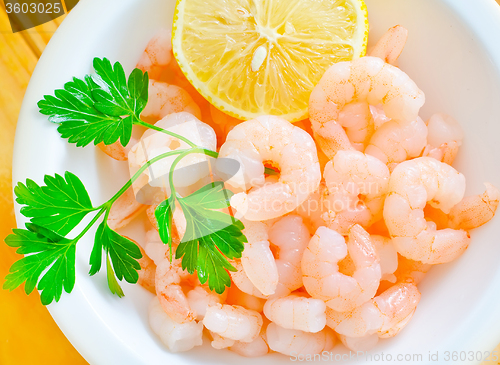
pixel 251 58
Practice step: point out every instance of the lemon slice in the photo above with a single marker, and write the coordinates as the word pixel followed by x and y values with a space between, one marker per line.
pixel 255 57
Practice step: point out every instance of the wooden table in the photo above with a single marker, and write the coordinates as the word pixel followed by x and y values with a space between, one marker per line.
pixel 28 334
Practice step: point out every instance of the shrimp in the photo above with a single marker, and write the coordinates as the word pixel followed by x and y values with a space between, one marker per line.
pixel 190 170
pixel 413 184
pixel 470 213
pixel 305 125
pixel 393 142
pixel 176 336
pixel 233 322
pixel 157 55
pixel 312 209
pixel 241 280
pixel 165 99
pixel 258 260
pixel 390 46
pixel 357 121
pixel 474 211
pixel 357 185
pixel 408 271
pixel 236 297
pixel 256 348
pixel 297 313
pixel 124 210
pixel 384 315
pixel 147 274
pixel 320 270
pixel 156 249
pixel 169 276
pixel 269 138
pixel 444 138
pixel 219 342
pixel 365 343
pixel 178 218
pixel 367 79
pixel 116 150
pixel 388 257
pixel 201 297
pixel 271 258
pixel 295 342
pixel 289 238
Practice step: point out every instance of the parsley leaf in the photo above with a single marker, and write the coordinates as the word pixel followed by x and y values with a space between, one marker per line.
pixel 115 96
pixel 123 252
pixel 100 108
pixel 46 249
pixel 211 237
pixel 59 205
pixel 113 285
pixel 164 215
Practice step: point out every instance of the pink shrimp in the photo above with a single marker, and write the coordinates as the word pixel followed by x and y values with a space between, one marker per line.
pixel 157 55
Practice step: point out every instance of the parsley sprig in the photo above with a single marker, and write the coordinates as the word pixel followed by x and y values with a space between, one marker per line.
pixel 103 108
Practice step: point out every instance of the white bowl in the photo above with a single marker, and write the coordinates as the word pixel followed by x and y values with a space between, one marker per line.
pixel 452 54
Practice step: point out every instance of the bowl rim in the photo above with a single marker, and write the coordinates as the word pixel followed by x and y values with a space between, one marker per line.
pixel 482 18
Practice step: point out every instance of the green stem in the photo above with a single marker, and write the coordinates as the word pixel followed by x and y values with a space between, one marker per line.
pixel 180 157
pixel 92 222
pixel 138 173
pixel 175 135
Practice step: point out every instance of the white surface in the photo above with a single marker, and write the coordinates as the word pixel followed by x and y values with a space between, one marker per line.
pixel 452 54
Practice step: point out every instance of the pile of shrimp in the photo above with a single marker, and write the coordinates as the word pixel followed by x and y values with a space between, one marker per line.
pixel 365 203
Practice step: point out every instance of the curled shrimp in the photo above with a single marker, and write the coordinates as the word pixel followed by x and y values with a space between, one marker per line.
pixel 241 280
pixel 297 312
pixel 413 184
pixel 295 342
pixel 322 278
pixel 177 337
pixel 393 142
pixel 147 274
pixel 289 238
pixel 384 315
pixel 174 302
pixel 256 348
pixel 367 79
pixel 365 343
pixel 157 55
pixel 116 150
pixel 124 210
pixel 388 257
pixel 312 209
pixel 201 297
pixel 291 149
pixel 233 322
pixel 444 138
pixel 237 297
pixel 391 45
pixel 357 185
pixel 271 258
pixel 408 271
pixel 165 99
pixel 358 123
pixel 471 212
pixel 474 211
pixel 257 258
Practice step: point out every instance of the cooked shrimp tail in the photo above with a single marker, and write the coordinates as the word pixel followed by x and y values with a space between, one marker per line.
pixel 474 211
pixel 391 45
